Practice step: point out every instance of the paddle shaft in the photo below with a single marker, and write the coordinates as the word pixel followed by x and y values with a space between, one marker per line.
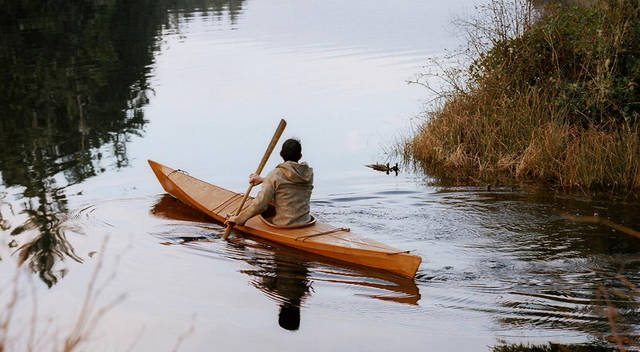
pixel 265 157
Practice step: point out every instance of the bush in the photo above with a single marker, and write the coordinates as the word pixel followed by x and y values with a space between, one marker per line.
pixel 555 101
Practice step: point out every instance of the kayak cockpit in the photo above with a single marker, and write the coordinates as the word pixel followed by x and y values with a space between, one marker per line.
pixel 267 218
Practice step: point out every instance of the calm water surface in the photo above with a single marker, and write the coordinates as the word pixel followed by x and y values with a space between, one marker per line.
pixel 90 91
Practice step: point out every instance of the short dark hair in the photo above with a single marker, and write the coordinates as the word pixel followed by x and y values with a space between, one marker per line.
pixel 291 150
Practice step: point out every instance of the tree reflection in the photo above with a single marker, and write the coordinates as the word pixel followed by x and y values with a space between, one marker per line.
pixel 74 83
pixel 49 245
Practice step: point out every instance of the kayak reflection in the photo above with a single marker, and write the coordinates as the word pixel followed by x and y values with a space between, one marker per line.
pixel 283 274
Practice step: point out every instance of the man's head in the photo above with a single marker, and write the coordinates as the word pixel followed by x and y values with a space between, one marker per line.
pixel 291 150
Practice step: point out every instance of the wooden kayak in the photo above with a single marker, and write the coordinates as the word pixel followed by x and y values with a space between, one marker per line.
pixel 318 238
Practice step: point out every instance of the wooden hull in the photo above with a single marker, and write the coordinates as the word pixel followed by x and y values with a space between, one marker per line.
pixel 319 238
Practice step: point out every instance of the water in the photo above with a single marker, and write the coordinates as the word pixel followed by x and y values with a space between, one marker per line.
pixel 92 90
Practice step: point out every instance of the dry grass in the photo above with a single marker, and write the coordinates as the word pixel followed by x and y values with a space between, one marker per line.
pixel 463 137
pixel 89 317
pixel 86 322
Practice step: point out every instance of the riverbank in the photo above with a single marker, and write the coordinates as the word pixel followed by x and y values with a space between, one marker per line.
pixel 552 348
pixel 555 102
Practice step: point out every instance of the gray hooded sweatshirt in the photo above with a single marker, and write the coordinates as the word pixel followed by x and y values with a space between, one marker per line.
pixel 289 185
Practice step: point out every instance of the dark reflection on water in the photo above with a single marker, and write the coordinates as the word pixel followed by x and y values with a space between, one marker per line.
pixel 49 245
pixel 511 255
pixel 544 232
pixel 551 273
pixel 219 8
pixel 286 280
pixel 285 275
pixel 75 79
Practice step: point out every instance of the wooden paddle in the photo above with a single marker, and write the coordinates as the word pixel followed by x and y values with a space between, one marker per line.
pixel 265 157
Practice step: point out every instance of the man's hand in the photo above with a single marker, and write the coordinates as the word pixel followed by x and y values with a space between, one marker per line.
pixel 230 220
pixel 255 180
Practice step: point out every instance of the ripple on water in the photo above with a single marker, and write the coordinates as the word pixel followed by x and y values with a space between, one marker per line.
pixel 397 193
pixel 519 289
pixel 352 199
pixel 283 274
pixel 90 216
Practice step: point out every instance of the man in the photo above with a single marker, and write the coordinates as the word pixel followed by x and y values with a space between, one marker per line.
pixel 289 185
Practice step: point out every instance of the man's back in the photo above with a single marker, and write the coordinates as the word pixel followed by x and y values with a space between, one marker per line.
pixel 293 183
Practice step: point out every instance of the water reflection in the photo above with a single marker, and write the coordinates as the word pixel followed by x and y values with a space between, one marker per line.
pixel 283 274
pixel 551 273
pixel 75 80
pixel 284 279
pixel 50 244
pixel 185 9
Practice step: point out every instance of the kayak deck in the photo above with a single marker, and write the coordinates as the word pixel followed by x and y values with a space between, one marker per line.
pixel 319 238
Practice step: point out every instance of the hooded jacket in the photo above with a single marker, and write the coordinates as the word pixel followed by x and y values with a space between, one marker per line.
pixel 289 185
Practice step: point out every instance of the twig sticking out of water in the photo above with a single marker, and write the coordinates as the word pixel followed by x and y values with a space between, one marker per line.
pixel 612 315
pixel 599 220
pixel 86 321
pixel 8 314
pixel 611 311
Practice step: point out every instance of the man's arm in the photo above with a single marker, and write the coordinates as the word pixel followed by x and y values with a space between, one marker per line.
pixel 260 203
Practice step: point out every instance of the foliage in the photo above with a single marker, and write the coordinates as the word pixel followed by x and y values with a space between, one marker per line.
pixel 588 59
pixel 556 101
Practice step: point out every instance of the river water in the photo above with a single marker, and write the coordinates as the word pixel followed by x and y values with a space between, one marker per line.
pixel 91 90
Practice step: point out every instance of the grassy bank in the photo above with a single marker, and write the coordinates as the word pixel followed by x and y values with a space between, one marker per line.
pixel 552 348
pixel 551 97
